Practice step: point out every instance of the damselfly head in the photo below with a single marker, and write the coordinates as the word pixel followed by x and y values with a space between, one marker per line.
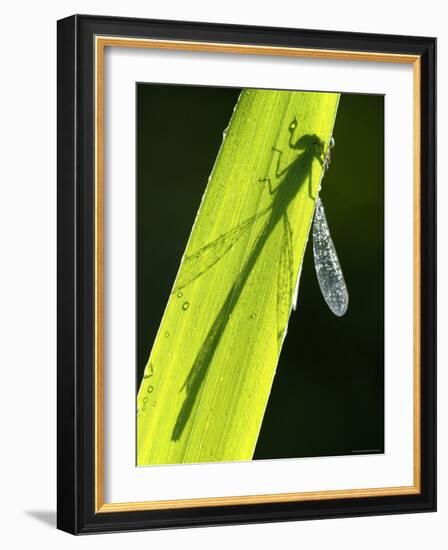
pixel 293 125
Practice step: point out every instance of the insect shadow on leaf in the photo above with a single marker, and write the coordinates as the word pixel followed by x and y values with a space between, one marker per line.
pixel 289 181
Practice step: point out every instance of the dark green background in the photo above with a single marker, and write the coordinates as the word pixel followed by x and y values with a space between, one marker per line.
pixel 328 393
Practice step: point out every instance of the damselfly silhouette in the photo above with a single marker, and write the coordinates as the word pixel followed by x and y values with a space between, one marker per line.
pixel 289 180
pixel 328 269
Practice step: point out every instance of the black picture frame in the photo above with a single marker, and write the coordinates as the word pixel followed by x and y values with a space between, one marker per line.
pixel 76 475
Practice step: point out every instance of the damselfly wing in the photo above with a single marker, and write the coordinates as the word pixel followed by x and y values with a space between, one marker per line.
pixel 326 262
pixel 200 261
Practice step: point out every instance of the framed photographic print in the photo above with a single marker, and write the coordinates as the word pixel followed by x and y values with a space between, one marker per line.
pixel 246 274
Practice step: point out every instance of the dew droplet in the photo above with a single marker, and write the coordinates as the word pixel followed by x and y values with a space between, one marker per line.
pixel 154 403
pixel 145 400
pixel 149 390
pixel 180 294
pixel 185 305
pixel 167 334
pixel 149 371
pixel 253 315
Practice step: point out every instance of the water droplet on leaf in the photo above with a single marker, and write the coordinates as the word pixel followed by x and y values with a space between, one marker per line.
pixel 149 371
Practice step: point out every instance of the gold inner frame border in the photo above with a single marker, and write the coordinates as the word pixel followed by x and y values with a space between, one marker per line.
pixel 100 44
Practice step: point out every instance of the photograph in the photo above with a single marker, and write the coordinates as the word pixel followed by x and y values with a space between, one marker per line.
pixel 222 241
pixel 260 274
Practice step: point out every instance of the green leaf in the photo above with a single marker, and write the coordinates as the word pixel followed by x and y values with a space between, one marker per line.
pixel 211 368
